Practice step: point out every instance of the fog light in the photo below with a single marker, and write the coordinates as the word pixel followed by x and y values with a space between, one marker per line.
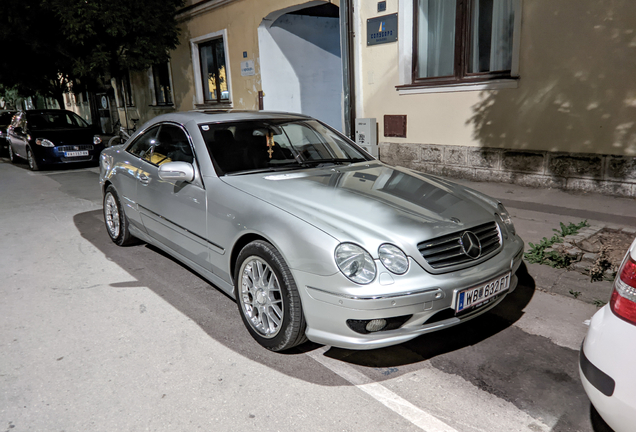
pixel 375 325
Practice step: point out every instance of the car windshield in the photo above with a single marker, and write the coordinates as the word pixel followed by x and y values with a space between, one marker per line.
pixel 275 145
pixel 55 120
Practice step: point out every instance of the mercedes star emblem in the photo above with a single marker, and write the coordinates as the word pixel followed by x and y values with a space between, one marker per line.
pixel 470 245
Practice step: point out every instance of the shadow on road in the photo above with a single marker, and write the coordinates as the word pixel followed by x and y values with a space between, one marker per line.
pixel 526 370
pixel 217 314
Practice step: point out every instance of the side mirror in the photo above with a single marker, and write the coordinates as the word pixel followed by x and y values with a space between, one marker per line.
pixel 176 171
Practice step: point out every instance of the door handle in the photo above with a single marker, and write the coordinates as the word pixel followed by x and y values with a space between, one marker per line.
pixel 144 179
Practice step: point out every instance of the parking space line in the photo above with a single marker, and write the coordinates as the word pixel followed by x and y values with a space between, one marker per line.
pixel 386 397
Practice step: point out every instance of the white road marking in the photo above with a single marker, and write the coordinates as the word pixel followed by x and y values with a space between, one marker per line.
pixel 386 397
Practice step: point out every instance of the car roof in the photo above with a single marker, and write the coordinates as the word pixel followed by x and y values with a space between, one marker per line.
pixel 210 116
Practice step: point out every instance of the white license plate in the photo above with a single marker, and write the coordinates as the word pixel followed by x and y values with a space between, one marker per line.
pixel 475 296
pixel 76 153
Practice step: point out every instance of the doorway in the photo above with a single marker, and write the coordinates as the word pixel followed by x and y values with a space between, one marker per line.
pixel 301 67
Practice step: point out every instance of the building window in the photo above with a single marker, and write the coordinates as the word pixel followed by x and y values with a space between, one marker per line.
pixel 213 71
pixel 463 41
pixel 162 84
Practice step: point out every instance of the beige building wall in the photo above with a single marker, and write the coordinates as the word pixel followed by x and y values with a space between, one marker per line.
pixel 576 91
pixel 240 18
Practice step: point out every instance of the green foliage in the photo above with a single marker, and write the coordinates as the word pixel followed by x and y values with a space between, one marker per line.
pixel 571 228
pixel 537 253
pixel 30 40
pixel 49 45
pixel 117 35
pixel 575 294
pixel 598 303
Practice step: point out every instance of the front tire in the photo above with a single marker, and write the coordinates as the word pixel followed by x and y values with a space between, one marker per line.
pixel 267 297
pixel 115 219
pixel 33 163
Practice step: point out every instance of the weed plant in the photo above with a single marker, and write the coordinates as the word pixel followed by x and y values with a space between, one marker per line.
pixel 537 253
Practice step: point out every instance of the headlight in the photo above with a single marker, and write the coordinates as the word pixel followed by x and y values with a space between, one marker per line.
pixel 355 263
pixel 393 258
pixel 44 142
pixel 97 140
pixel 106 161
pixel 505 217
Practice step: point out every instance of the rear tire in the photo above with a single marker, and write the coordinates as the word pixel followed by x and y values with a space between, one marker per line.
pixel 267 297
pixel 116 220
pixel 12 156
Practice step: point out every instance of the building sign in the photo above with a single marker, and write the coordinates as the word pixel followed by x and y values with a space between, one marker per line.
pixel 382 29
pixel 247 68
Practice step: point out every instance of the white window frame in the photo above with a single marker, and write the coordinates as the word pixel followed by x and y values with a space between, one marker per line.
pixel 405 56
pixel 196 66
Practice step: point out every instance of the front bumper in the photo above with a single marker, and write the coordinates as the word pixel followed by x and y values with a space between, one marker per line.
pixel 428 300
pixel 61 155
pixel 606 369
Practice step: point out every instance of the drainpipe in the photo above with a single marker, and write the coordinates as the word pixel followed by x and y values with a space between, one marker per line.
pixel 348 80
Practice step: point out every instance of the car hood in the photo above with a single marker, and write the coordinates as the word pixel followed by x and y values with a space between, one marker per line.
pixel 370 203
pixel 65 136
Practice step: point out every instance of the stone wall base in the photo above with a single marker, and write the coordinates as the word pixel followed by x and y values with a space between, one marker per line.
pixel 584 172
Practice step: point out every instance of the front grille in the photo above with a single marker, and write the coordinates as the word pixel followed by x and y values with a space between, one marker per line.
pixel 446 251
pixel 78 147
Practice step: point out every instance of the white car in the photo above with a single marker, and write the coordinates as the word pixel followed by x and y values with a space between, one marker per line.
pixel 607 362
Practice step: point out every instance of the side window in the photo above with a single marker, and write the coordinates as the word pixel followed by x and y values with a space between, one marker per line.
pixel 172 146
pixel 143 145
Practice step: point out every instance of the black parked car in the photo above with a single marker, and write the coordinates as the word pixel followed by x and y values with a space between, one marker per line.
pixel 5 121
pixel 48 137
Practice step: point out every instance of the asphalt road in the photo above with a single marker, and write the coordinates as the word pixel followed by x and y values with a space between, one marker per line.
pixel 95 337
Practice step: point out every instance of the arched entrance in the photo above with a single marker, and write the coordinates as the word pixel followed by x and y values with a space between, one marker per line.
pixel 301 68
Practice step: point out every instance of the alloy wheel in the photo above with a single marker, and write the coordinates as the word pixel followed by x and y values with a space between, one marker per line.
pixel 112 215
pixel 261 297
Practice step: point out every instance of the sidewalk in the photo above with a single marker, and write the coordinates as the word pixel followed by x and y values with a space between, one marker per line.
pixel 536 212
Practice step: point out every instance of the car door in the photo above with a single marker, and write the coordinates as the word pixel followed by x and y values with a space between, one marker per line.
pixel 18 135
pixel 173 212
pixel 128 172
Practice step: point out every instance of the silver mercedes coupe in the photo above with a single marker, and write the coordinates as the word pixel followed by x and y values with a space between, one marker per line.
pixel 314 238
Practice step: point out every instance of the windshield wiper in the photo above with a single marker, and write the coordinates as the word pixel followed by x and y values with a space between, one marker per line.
pixel 268 169
pixel 335 161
